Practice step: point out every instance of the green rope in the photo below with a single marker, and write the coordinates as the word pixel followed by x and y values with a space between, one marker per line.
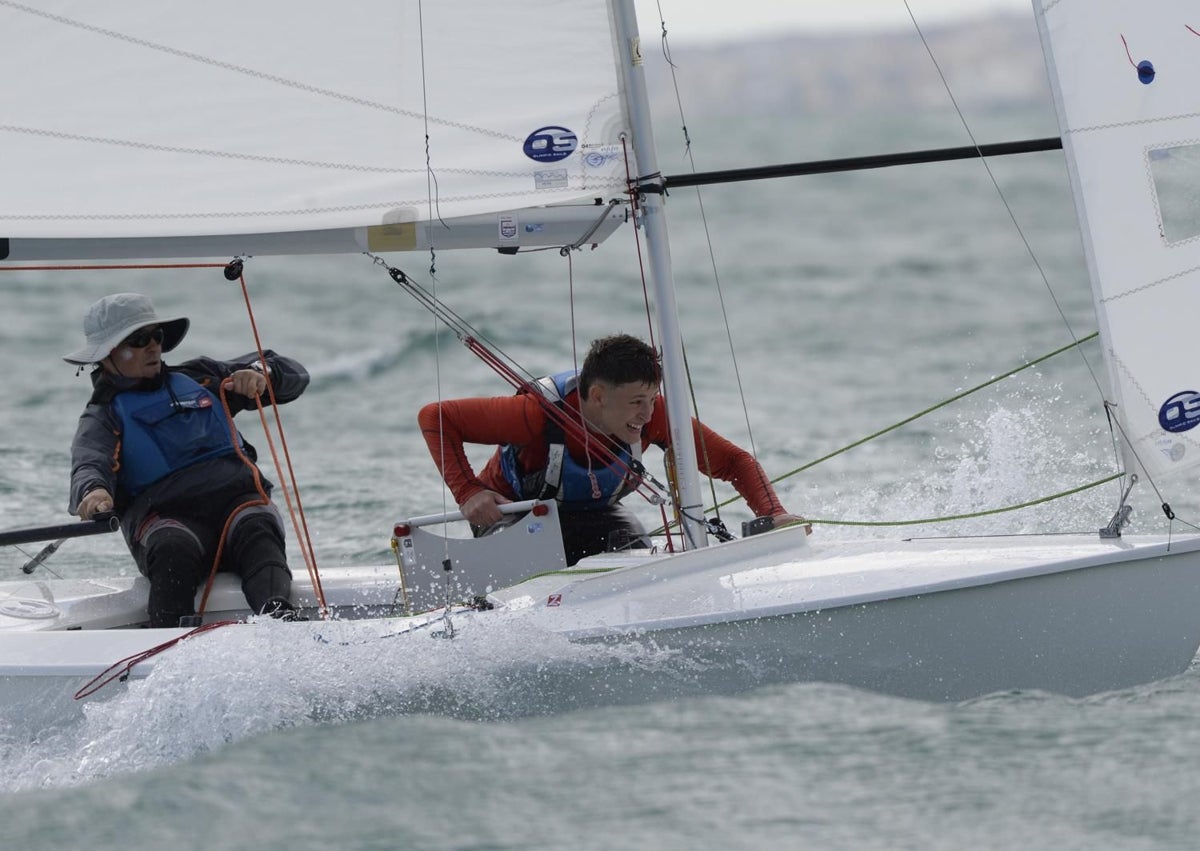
pixel 570 571
pixel 933 408
pixel 594 570
pixel 968 516
pixel 920 414
pixel 597 570
pixel 965 516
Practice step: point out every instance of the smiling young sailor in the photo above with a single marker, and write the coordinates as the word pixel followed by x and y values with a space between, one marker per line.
pixel 616 395
pixel 154 445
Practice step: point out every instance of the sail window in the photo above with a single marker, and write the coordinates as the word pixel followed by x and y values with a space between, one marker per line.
pixel 1176 174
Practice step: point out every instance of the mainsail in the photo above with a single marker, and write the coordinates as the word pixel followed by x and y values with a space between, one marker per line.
pixel 290 127
pixel 1124 77
pixel 141 129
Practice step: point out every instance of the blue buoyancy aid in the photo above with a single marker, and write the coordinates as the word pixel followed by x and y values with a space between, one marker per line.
pixel 575 486
pixel 168 429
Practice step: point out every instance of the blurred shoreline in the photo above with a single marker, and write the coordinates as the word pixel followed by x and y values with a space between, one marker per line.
pixel 991 62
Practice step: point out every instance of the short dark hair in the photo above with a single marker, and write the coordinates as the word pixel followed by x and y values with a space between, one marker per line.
pixel 619 359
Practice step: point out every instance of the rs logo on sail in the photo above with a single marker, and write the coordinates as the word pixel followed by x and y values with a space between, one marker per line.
pixel 1181 412
pixel 550 144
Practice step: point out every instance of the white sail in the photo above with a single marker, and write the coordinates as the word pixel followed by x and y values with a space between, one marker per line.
pixel 141 121
pixel 1132 139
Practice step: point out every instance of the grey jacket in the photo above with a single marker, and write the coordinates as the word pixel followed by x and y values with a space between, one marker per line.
pixel 95 451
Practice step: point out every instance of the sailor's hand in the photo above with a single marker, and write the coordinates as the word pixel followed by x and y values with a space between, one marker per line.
pixel 247 382
pixel 95 502
pixel 481 508
pixel 785 519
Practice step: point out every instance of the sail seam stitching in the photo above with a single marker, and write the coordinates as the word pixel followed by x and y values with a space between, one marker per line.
pixel 1093 128
pixel 250 72
pixel 1150 285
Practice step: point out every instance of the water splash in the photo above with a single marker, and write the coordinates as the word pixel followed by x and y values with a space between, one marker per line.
pixel 1026 444
pixel 244 682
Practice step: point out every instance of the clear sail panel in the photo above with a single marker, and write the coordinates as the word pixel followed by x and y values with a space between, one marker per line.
pixel 1176 174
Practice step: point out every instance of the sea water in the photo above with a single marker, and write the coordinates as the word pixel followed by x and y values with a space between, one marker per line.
pixel 848 303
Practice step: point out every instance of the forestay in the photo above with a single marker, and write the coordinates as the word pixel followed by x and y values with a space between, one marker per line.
pixel 1124 78
pixel 146 119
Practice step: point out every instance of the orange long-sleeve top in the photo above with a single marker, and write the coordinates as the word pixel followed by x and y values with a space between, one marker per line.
pixel 520 420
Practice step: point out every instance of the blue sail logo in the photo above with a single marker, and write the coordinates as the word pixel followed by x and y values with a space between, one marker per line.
pixel 550 144
pixel 1181 412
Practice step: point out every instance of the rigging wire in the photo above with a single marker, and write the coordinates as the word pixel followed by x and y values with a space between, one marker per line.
pixel 971 514
pixel 666 48
pixel 635 208
pixel 1008 208
pixel 929 410
pixel 1109 407
pixel 122 668
pixel 716 275
pixel 712 488
pixel 506 367
pixel 587 432
pixel 299 519
pixel 948 401
pixel 39 559
pixel 433 204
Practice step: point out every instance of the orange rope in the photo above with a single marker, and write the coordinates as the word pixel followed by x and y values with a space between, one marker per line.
pixel 122 668
pixel 304 539
pixel 263 499
pixel 299 521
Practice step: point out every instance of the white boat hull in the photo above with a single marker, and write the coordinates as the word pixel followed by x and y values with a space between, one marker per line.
pixel 1055 632
pixel 929 619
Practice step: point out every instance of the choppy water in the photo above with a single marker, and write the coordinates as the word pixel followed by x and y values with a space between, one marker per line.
pixel 853 301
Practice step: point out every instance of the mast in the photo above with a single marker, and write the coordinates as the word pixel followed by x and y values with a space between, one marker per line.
pixel 675 388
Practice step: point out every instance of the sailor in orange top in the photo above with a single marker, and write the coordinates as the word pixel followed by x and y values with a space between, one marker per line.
pixel 616 395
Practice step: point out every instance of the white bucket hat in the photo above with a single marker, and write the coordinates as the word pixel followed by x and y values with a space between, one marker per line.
pixel 115 317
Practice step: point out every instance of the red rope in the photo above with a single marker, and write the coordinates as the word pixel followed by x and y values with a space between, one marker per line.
pixel 1128 55
pixel 112 266
pixel 636 207
pixel 299 520
pixel 569 424
pixel 120 670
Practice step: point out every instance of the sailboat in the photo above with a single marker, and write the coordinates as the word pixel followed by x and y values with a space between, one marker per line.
pixel 464 124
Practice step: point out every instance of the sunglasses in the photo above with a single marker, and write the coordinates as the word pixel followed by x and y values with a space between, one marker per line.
pixel 141 339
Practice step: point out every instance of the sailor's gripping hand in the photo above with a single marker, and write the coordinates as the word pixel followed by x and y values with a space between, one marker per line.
pixel 95 502
pixel 481 508
pixel 248 382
